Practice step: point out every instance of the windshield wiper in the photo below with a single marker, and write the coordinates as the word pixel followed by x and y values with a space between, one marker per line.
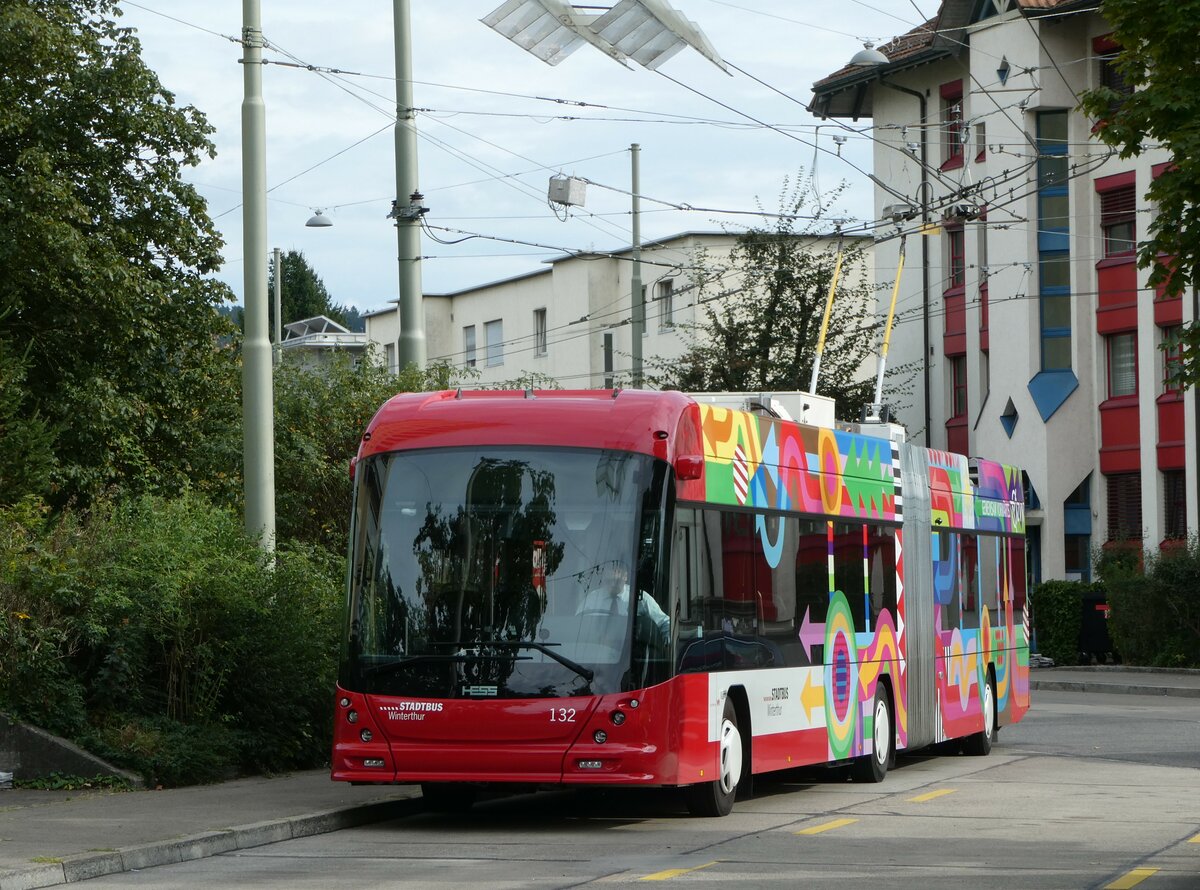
pixel 460 657
pixel 575 666
pixel 398 663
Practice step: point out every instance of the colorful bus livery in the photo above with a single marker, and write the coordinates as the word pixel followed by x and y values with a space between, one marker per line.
pixel 636 588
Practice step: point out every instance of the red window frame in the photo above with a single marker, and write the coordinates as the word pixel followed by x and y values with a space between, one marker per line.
pixel 1172 353
pixel 956 251
pixel 1109 342
pixel 1118 214
pixel 958 385
pixel 952 124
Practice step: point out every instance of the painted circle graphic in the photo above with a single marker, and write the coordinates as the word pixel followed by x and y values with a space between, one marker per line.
pixel 830 463
pixel 841 677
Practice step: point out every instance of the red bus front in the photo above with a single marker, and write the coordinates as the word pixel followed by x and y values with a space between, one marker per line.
pixel 506 622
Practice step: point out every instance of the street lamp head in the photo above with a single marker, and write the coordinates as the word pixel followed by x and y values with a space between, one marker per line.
pixel 868 57
pixel 319 221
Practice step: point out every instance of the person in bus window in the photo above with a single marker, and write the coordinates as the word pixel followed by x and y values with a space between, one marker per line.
pixel 611 597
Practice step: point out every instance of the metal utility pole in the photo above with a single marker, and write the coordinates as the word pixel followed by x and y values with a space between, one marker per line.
pixel 278 353
pixel 635 277
pixel 407 210
pixel 258 446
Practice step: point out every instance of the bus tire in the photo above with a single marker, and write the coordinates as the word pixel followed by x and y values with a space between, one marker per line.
pixel 874 766
pixel 448 797
pixel 980 744
pixel 716 798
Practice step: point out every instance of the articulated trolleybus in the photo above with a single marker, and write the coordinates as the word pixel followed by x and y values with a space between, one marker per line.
pixel 649 589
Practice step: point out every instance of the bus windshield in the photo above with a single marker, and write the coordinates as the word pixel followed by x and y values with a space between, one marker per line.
pixel 501 572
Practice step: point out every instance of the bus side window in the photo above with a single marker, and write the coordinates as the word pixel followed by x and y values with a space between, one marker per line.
pixel 689 623
pixel 1016 579
pixel 850 567
pixel 881 562
pixel 945 577
pixel 739 554
pixel 969 563
pixel 989 574
pixel 812 580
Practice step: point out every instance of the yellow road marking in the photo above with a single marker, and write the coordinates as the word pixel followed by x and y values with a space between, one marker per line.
pixel 676 872
pixel 1195 840
pixel 1131 879
pixel 827 826
pixel 941 792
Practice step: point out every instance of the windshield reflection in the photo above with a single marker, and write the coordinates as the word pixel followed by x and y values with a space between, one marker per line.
pixel 472 567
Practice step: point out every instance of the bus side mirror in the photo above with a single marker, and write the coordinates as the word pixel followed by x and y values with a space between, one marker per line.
pixel 353 465
pixel 689 466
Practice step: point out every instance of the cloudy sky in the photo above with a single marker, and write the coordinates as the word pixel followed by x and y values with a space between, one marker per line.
pixel 495 123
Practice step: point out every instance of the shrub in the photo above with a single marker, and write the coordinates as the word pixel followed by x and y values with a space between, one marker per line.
pixel 1155 609
pixel 1057 618
pixel 156 633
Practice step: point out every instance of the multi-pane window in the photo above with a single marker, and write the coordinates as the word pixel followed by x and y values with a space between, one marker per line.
pixel 493 332
pixel 1172 358
pixel 1174 504
pixel 539 331
pixel 956 246
pixel 1117 209
pixel 1110 75
pixel 952 123
pixel 958 385
pixel 469 345
pixel 1054 260
pixel 666 301
pixel 1122 364
pixel 1124 506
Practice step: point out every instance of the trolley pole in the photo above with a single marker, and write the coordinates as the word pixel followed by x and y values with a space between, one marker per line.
pixel 635 277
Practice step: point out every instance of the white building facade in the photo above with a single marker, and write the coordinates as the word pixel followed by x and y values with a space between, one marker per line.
pixel 570 321
pixel 1039 339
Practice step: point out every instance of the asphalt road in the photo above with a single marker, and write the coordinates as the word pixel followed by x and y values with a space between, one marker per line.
pixel 1092 791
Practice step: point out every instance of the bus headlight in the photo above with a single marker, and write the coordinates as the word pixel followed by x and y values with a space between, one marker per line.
pixel 600 736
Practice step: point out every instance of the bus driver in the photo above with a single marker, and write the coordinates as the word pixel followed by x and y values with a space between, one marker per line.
pixel 653 626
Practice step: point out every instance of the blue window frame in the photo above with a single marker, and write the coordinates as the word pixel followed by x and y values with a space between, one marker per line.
pixel 1054 231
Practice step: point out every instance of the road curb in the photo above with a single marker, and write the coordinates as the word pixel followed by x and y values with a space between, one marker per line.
pixel 84 866
pixel 1113 688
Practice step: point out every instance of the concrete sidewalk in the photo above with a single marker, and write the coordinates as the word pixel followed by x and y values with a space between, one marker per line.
pixel 55 837
pixel 59 837
pixel 1117 679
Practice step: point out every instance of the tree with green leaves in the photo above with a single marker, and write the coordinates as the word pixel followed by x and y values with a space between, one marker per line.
pixel 763 312
pixel 1157 61
pixel 303 293
pixel 106 293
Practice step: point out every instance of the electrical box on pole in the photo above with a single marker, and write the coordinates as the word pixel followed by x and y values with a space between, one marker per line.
pixel 567 190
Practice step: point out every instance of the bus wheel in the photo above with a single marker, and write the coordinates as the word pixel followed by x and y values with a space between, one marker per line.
pixel 874 766
pixel 980 744
pixel 448 797
pixel 716 798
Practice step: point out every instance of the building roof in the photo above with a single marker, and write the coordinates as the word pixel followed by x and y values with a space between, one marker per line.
pixel 318 324
pixel 321 332
pixel 847 91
